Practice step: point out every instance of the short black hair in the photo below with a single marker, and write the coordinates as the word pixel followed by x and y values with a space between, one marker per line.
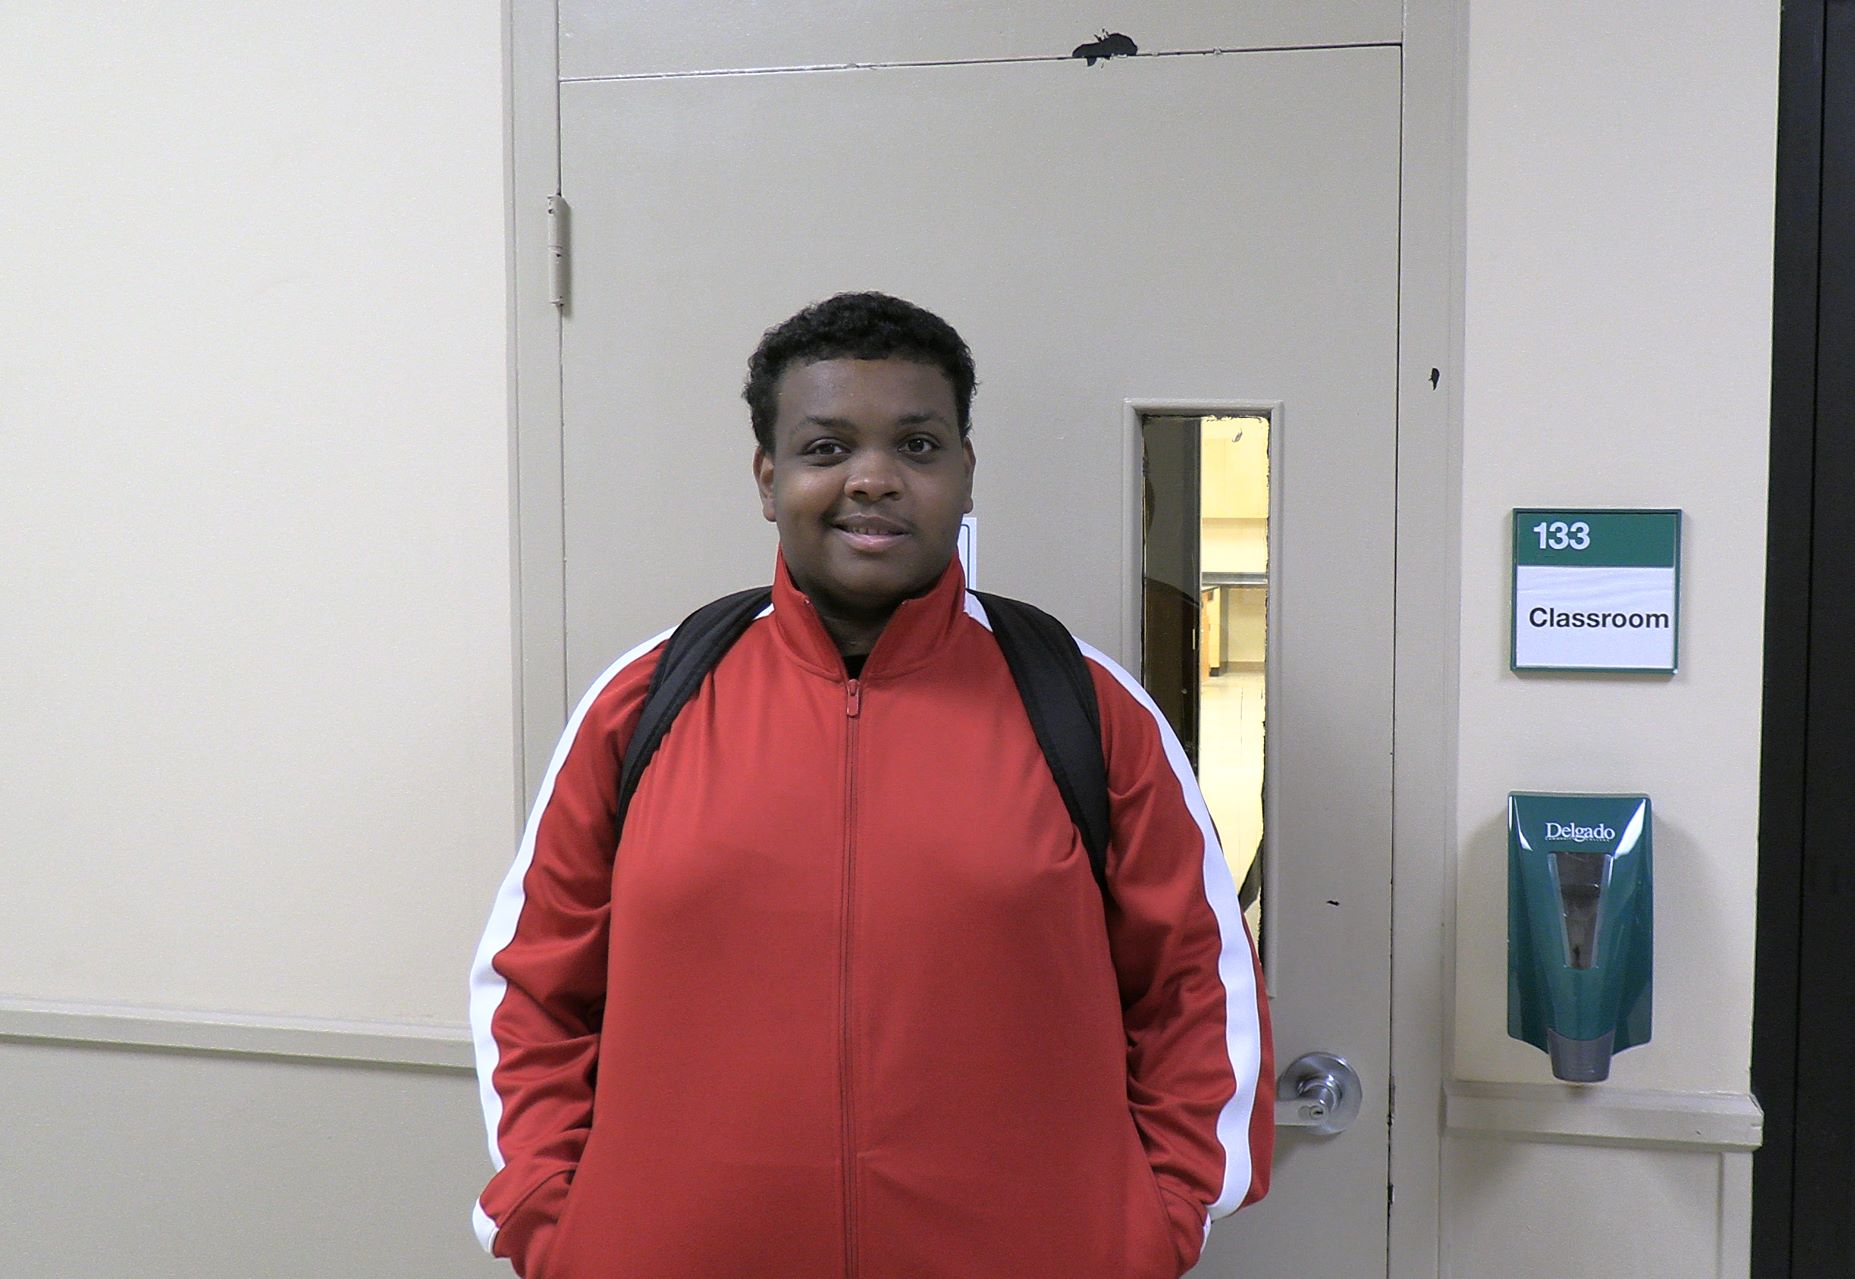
pixel 856 326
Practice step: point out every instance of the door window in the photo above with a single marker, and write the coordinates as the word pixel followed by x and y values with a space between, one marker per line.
pixel 1205 617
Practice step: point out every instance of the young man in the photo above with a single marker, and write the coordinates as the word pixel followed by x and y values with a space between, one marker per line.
pixel 843 997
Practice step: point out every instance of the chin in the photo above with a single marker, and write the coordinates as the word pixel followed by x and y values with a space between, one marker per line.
pixel 881 592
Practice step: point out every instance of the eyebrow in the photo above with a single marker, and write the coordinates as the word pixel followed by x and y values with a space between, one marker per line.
pixel 845 424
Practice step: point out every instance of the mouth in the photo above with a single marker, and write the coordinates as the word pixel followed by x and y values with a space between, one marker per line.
pixel 870 532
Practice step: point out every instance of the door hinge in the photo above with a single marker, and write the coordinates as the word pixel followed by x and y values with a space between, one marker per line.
pixel 557 250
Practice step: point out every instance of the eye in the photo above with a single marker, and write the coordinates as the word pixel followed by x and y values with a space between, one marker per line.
pixel 823 448
pixel 920 445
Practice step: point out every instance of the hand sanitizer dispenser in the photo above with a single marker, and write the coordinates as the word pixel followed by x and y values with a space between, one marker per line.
pixel 1579 927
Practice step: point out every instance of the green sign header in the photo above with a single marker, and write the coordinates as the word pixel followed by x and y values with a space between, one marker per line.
pixel 1598 539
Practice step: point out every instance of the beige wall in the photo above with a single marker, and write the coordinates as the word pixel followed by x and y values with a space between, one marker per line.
pixel 256 652
pixel 254 475
pixel 1617 323
pixel 132 1165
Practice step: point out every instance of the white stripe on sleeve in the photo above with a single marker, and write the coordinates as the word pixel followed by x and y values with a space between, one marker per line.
pixel 487 986
pixel 1235 964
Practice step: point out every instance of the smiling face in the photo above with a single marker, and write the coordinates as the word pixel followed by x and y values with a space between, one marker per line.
pixel 867 479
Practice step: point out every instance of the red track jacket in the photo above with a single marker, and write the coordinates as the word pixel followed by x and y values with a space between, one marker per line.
pixel 845 1000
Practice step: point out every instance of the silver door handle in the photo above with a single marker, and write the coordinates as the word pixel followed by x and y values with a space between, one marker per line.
pixel 1319 1092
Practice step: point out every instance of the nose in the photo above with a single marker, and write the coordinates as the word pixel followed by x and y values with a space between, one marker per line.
pixel 872 475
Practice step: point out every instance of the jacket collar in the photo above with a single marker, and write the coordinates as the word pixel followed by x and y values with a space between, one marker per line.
pixel 917 631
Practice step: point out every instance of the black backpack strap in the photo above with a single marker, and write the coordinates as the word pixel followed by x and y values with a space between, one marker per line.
pixel 1059 695
pixel 692 651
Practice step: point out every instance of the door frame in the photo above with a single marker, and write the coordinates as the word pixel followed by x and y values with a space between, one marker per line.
pixel 1426 602
pixel 1800 1024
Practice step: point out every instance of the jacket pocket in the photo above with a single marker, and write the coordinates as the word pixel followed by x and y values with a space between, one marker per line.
pixel 559 1260
pixel 1151 1251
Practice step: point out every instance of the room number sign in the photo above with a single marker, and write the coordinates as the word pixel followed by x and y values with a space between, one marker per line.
pixel 1596 590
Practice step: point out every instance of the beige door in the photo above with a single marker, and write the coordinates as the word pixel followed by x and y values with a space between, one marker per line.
pixel 1201 238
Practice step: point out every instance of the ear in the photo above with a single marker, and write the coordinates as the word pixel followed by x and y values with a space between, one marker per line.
pixel 966 446
pixel 763 480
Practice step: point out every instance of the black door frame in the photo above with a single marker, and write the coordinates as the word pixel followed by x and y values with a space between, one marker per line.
pixel 1803 1215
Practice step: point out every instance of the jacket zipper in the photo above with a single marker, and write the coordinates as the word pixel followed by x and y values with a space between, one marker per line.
pixel 853 707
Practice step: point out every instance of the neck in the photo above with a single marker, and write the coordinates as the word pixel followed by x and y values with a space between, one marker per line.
pixel 851 626
pixel 854 636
